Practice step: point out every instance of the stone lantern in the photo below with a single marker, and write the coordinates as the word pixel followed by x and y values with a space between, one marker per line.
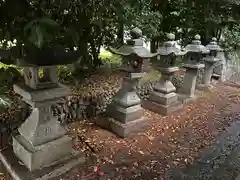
pixel 195 52
pixel 125 114
pixel 219 69
pixel 41 143
pixel 209 61
pixel 164 99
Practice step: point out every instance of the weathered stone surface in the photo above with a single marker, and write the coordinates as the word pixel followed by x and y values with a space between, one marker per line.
pixel 186 99
pixel 203 87
pixel 41 126
pixel 123 129
pixel 190 78
pixel 125 108
pixel 49 79
pixel 13 170
pixel 31 96
pixel 208 71
pixel 195 52
pixel 41 141
pixel 209 61
pixel 163 98
pixel 134 46
pixel 126 99
pixel 162 109
pixel 164 85
pixel 123 114
pixel 44 155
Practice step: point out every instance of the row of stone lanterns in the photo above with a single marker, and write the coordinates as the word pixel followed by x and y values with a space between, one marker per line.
pixel 42 142
pixel 126 113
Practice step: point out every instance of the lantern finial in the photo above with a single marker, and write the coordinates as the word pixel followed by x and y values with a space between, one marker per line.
pixel 171 36
pixel 214 39
pixel 136 33
pixel 197 37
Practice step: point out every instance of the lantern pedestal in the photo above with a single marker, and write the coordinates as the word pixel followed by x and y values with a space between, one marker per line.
pixel 208 71
pixel 163 99
pixel 125 114
pixel 12 169
pixel 189 82
pixel 41 142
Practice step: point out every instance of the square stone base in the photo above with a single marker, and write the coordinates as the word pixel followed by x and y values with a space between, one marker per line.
pixel 37 157
pixel 162 109
pixel 186 99
pixel 203 87
pixel 122 129
pixel 13 170
pixel 125 114
pixel 161 98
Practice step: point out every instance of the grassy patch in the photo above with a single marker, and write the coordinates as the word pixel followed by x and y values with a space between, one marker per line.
pixel 110 60
pixel 152 75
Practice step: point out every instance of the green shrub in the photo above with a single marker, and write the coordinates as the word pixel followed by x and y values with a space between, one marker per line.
pixel 9 76
pixel 64 74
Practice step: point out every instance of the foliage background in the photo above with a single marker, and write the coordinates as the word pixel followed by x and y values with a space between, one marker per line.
pixel 88 25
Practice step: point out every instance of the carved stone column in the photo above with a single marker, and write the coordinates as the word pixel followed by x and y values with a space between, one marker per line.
pixel 209 61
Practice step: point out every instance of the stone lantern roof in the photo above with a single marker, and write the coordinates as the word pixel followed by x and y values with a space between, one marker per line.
pixel 196 46
pixel 134 46
pixel 34 57
pixel 170 47
pixel 213 46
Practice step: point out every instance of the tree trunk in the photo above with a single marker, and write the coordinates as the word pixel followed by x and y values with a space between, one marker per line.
pixel 153 47
pixel 120 34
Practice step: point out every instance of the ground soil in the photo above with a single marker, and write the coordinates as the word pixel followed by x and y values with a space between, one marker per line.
pixel 173 141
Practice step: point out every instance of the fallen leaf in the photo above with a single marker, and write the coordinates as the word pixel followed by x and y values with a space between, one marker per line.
pixel 101 173
pixel 95 169
pixel 141 152
pixel 135 164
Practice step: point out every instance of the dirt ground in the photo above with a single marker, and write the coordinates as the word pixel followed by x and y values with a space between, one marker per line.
pixel 169 142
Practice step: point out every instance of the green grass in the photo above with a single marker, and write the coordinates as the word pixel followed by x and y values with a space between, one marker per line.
pixel 152 75
pixel 109 59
